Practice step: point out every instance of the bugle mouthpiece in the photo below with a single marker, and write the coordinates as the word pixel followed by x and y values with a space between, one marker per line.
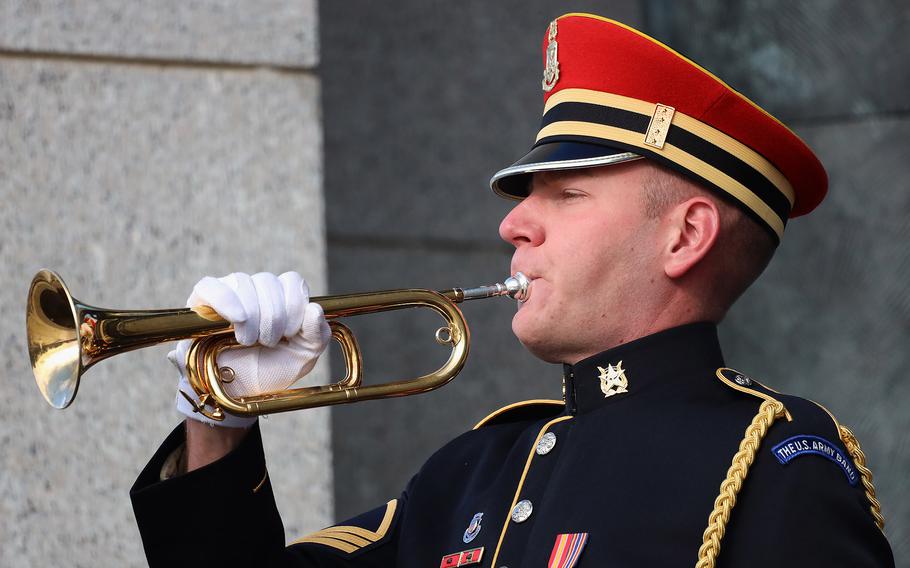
pixel 514 287
pixel 517 286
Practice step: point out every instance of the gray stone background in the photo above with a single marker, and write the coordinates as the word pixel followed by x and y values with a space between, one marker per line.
pixel 142 146
pixel 424 99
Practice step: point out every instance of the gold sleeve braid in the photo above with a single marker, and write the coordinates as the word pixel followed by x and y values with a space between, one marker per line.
pixel 859 459
pixel 768 412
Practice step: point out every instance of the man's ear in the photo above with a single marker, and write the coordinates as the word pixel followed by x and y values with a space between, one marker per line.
pixel 693 227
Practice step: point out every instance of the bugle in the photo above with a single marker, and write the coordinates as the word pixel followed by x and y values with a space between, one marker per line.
pixel 66 337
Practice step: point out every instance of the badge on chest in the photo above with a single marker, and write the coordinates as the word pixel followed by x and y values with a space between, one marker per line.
pixel 466 558
pixel 473 528
pixel 567 550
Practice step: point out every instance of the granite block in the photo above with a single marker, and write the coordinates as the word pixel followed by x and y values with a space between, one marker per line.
pixel 267 32
pixel 133 182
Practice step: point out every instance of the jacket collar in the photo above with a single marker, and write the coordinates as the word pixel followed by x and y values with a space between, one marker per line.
pixel 652 366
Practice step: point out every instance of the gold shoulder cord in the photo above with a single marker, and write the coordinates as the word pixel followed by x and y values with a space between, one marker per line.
pixel 768 412
pixel 859 459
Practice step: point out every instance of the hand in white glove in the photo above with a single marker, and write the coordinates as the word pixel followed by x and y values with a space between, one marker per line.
pixel 263 309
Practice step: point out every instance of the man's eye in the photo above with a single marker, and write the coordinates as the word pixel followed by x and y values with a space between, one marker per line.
pixel 572 194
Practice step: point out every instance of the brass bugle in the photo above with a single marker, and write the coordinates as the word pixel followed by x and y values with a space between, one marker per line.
pixel 66 337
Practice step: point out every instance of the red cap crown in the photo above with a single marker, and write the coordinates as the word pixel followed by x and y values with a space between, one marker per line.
pixel 614 88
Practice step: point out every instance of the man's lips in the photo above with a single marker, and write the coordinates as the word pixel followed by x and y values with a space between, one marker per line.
pixel 532 277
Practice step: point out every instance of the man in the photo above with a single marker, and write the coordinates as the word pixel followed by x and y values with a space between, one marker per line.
pixel 653 197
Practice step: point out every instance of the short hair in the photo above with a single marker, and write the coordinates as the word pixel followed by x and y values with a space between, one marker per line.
pixel 743 248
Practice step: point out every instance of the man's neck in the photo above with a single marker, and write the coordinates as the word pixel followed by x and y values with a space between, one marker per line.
pixel 661 322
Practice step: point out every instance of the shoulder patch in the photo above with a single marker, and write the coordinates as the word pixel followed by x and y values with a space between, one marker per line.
pixel 524 410
pixel 807 444
pixel 360 532
pixel 821 428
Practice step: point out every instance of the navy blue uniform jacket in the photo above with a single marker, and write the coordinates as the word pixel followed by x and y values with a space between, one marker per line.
pixel 632 461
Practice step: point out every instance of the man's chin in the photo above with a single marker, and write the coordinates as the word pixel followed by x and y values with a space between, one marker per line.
pixel 538 342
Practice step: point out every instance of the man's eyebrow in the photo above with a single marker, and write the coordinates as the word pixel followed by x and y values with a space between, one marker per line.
pixel 549 178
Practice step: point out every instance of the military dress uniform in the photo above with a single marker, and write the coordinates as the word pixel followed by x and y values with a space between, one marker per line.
pixel 659 455
pixel 628 469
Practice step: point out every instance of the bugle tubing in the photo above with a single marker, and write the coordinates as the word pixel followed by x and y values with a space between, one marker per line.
pixel 66 337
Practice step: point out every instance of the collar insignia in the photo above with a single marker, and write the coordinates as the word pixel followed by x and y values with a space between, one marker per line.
pixel 551 73
pixel 473 529
pixel 613 380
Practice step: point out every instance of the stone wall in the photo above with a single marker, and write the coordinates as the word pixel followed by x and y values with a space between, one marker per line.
pixel 142 146
pixel 424 100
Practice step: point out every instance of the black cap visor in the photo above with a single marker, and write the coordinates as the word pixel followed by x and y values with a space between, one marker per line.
pixel 513 182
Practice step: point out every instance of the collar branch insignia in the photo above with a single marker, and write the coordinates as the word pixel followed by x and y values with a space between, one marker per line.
pixel 613 380
pixel 551 73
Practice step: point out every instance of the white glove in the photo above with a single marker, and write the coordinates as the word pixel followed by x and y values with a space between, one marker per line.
pixel 263 309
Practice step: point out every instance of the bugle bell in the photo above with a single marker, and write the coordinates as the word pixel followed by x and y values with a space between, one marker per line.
pixel 66 337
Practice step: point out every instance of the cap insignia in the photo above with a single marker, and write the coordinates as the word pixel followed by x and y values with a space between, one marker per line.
pixel 551 72
pixel 659 126
pixel 613 380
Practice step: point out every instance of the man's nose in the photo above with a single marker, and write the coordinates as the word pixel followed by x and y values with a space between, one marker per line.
pixel 520 226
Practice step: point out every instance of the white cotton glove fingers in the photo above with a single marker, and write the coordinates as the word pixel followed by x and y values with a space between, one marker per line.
pixel 263 309
pixel 272 312
pixel 246 332
pixel 220 297
pixel 245 364
pixel 260 370
pixel 313 338
pixel 233 298
pixel 296 297
pixel 281 367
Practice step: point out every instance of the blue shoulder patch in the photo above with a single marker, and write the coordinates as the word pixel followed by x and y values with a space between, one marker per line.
pixel 805 444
